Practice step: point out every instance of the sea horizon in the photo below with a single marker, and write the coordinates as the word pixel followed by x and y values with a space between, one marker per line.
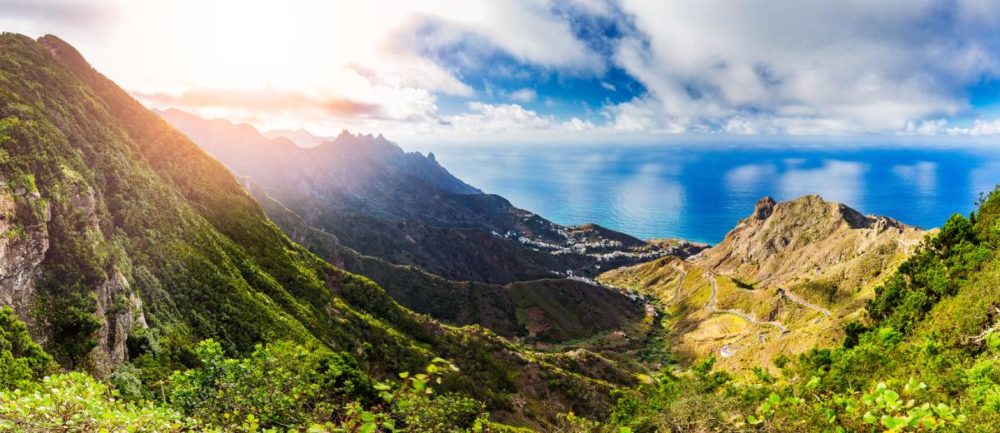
pixel 698 192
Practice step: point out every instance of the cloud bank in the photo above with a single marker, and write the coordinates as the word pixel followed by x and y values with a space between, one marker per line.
pixel 575 67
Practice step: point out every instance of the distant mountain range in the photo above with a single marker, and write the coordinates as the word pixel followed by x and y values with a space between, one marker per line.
pixel 406 208
pixel 438 245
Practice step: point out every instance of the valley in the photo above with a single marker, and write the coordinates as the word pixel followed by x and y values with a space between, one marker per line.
pixel 190 274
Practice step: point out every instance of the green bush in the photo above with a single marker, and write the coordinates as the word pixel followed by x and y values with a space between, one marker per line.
pixel 76 402
pixel 21 360
pixel 280 385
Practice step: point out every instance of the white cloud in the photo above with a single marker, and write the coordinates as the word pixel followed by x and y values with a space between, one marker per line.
pixel 576 124
pixel 788 66
pixel 925 127
pixel 707 66
pixel 526 29
pixel 741 126
pixel 979 127
pixel 498 118
pixel 504 118
pixel 524 96
pixel 642 115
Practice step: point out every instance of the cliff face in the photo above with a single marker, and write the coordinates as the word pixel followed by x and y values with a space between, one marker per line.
pixel 24 240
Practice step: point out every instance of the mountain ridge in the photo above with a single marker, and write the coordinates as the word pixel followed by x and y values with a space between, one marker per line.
pixel 480 261
pixel 372 226
pixel 785 279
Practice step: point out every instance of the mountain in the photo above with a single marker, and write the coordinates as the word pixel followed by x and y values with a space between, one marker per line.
pixel 301 137
pixel 812 243
pixel 923 354
pixel 787 278
pixel 121 241
pixel 432 241
pixel 122 244
pixel 406 208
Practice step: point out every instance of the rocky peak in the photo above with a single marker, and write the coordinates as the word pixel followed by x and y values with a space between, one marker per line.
pixel 764 208
pixel 783 241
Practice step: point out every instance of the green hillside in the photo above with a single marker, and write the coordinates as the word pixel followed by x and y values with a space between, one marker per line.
pixel 129 245
pixel 924 357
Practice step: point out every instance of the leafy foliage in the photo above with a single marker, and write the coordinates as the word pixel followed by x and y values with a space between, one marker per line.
pixel 22 361
pixel 279 385
pixel 76 402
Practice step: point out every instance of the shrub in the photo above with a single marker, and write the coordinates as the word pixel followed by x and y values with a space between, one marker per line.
pixel 21 360
pixel 76 402
pixel 280 385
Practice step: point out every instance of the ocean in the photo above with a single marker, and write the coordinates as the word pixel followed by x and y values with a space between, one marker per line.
pixel 699 192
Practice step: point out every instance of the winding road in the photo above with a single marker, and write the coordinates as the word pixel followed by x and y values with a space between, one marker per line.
pixel 787 294
pixel 713 309
pixel 677 294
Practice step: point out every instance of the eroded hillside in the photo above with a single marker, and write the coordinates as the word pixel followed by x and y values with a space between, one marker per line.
pixel 785 279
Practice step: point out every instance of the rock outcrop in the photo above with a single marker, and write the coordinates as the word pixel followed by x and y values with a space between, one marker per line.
pixel 809 238
pixel 24 240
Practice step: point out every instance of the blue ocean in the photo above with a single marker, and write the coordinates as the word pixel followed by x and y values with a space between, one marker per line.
pixel 699 192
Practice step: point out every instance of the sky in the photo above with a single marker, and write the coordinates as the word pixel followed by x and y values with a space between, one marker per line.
pixel 539 70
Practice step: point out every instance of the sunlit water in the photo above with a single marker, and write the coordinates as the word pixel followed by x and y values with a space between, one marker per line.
pixel 700 192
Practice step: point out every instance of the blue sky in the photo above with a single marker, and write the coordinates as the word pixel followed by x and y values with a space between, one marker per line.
pixel 539 69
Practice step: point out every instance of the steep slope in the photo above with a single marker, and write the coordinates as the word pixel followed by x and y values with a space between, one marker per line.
pixel 119 237
pixel 785 279
pixel 406 208
pixel 548 310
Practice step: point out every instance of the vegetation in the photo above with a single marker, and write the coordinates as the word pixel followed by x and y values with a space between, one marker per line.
pixel 153 268
pixel 21 360
pixel 279 387
pixel 926 359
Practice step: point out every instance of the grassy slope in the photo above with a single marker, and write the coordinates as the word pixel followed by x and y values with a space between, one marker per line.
pixel 924 355
pixel 824 261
